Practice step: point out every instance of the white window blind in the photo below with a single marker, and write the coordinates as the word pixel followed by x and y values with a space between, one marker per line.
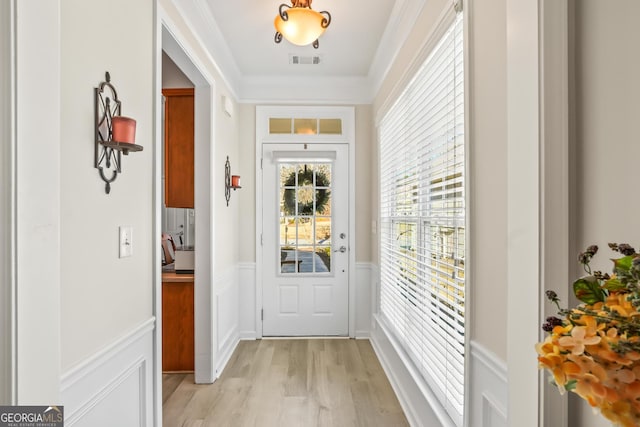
pixel 422 220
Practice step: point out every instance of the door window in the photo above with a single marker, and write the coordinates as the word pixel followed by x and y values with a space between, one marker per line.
pixel 305 218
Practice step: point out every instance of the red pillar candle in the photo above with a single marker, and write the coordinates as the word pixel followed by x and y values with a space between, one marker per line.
pixel 123 129
pixel 235 180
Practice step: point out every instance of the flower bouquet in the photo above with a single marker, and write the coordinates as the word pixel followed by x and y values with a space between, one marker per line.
pixel 593 349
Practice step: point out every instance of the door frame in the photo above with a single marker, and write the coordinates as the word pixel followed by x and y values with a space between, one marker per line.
pixel 175 44
pixel 8 355
pixel 347 114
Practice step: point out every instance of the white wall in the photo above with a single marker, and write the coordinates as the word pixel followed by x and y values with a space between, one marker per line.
pixel 606 148
pixel 102 296
pixel 38 222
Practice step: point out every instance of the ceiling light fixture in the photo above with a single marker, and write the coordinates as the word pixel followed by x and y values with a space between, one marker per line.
pixel 300 24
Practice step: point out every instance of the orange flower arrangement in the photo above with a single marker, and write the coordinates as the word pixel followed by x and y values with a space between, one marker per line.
pixel 593 349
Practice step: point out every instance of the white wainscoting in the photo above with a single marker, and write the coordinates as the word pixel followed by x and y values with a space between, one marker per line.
pixel 115 385
pixel 364 287
pixel 227 316
pixel 247 299
pixel 420 405
pixel 488 391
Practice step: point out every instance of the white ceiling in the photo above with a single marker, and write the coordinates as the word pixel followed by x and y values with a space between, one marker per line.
pixel 346 48
pixel 355 50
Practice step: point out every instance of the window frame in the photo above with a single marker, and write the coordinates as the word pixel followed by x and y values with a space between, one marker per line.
pixel 459 261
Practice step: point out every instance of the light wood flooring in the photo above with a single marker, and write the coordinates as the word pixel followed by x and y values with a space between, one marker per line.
pixel 315 382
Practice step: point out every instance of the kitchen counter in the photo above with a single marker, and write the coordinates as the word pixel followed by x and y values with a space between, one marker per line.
pixel 173 277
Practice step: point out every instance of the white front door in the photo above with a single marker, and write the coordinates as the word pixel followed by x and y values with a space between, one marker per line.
pixel 305 250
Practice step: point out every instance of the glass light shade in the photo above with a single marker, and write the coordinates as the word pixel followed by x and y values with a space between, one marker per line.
pixel 303 27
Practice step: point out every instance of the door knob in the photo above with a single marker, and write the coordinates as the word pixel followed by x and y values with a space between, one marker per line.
pixel 342 249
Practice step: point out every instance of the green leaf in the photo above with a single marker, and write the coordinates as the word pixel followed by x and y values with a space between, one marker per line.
pixel 622 265
pixel 614 285
pixel 587 289
pixel 570 385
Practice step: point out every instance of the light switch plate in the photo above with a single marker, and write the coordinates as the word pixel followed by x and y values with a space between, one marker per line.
pixel 126 241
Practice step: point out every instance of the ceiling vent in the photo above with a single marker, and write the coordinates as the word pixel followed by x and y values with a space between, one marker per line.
pixel 304 60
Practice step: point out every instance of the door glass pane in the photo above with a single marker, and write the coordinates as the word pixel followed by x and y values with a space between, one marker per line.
pixel 305 218
pixel 323 175
pixel 287 177
pixel 323 201
pixel 323 230
pixel 305 231
pixel 288 263
pixel 287 231
pixel 324 253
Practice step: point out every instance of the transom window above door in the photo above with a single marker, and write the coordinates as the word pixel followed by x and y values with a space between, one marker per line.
pixel 305 126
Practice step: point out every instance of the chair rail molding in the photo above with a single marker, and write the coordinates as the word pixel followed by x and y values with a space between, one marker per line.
pixel 119 376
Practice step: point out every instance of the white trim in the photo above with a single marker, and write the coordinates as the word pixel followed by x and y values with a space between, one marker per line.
pixel 442 25
pixel 488 390
pixel 420 405
pixel 157 200
pixel 99 381
pixel 247 300
pixel 227 304
pixel 469 198
pixel 554 183
pixel 347 114
pixel 524 194
pixel 401 21
pixel 82 369
pixel 364 287
pixel 7 203
pixel 197 16
pixel 493 364
pixel 178 49
pixel 325 90
pixel 37 202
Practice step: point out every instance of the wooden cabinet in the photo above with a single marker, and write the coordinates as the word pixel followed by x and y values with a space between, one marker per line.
pixel 178 147
pixel 177 326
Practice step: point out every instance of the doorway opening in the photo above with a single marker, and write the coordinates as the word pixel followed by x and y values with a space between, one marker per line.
pixel 198 217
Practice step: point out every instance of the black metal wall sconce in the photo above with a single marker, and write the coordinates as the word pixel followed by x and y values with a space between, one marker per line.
pixel 230 181
pixel 114 134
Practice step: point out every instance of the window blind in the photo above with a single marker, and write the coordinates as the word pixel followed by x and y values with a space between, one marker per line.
pixel 422 220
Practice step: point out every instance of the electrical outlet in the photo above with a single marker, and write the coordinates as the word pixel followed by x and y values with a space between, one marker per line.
pixel 126 241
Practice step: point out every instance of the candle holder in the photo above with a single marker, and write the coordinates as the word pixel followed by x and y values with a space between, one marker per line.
pixel 114 134
pixel 230 181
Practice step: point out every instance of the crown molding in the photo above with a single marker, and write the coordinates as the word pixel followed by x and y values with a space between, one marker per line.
pixel 303 89
pixel 198 18
pixel 317 89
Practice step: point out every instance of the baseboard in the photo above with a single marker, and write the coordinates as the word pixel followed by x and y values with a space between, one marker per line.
pixel 488 389
pixel 116 381
pixel 248 335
